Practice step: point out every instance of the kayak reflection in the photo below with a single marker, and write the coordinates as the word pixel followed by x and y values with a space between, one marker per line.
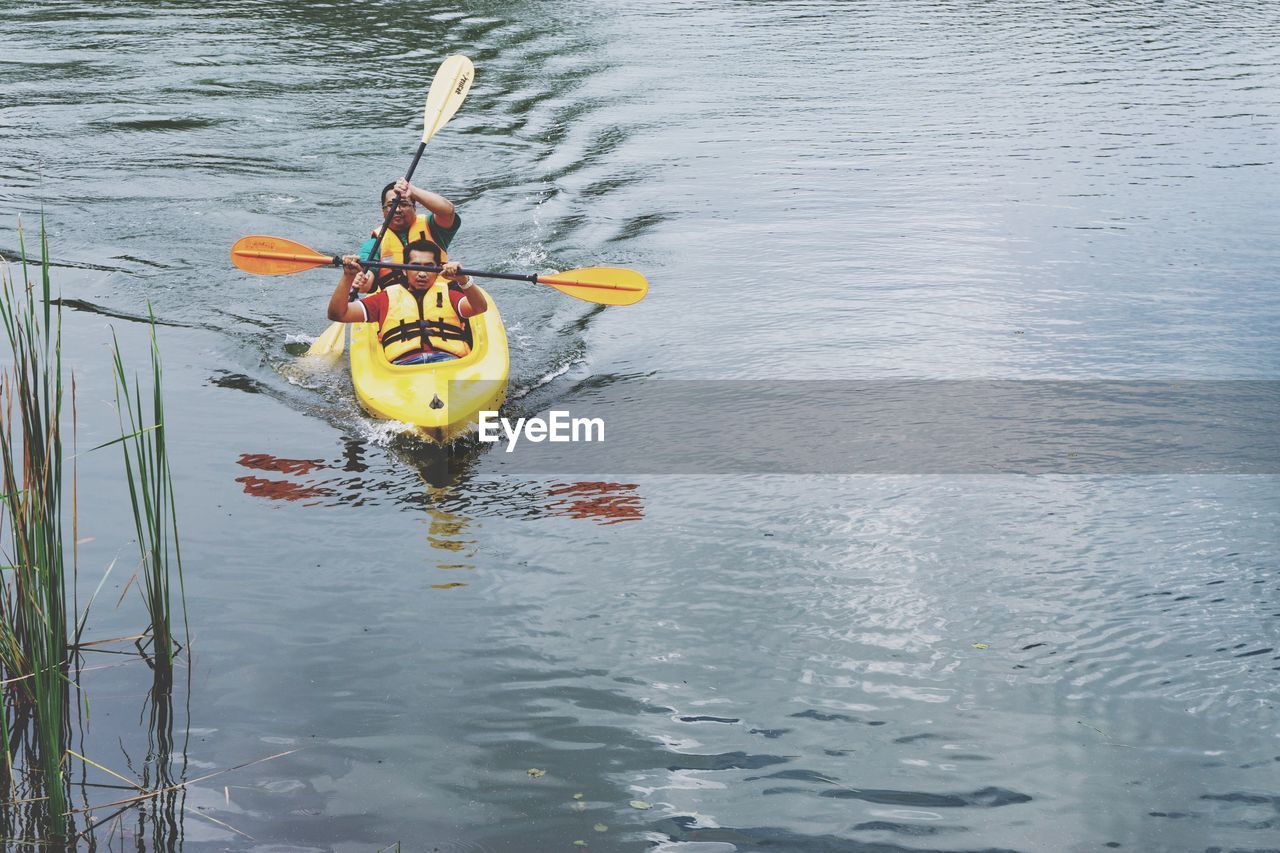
pixel 449 532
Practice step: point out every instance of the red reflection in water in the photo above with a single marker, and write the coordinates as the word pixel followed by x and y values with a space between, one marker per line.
pixel 267 462
pixel 607 503
pixel 280 490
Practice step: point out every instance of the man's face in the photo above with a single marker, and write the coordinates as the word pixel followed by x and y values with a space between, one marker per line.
pixel 420 279
pixel 406 211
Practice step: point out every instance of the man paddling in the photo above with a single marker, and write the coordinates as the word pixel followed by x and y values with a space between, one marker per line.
pixel 438 225
pixel 420 322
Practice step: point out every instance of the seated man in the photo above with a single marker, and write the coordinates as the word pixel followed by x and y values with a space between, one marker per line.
pixel 421 321
pixel 439 225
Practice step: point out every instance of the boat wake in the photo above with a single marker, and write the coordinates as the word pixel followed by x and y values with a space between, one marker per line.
pixel 380 433
pixel 546 379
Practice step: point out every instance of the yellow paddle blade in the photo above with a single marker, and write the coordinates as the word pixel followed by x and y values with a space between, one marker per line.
pixel 448 90
pixel 331 343
pixel 265 255
pixel 602 285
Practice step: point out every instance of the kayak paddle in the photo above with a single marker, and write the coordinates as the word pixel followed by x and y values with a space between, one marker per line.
pixel 602 285
pixel 448 90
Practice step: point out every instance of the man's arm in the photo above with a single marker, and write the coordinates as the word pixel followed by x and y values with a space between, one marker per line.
pixel 441 208
pixel 472 301
pixel 340 309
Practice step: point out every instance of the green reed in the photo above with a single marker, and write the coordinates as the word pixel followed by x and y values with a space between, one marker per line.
pixel 150 480
pixel 33 597
pixel 39 634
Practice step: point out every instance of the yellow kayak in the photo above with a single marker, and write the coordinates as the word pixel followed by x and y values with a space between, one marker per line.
pixel 442 400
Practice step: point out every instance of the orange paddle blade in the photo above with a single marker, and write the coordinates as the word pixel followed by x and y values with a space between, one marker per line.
pixel 265 255
pixel 603 285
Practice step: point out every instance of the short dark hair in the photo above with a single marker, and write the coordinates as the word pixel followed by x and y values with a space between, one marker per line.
pixel 421 245
pixel 382 196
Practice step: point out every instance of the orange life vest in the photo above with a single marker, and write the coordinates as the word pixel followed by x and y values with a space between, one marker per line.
pixel 393 249
pixel 427 324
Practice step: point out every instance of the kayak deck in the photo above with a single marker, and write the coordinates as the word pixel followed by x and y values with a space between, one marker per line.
pixel 442 400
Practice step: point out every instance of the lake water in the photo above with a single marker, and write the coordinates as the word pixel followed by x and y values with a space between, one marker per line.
pixel 816 190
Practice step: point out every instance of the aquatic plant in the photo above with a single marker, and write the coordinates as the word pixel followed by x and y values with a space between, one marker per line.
pixel 150 480
pixel 40 637
pixel 33 595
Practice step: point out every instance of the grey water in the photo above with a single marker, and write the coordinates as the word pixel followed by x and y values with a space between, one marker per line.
pixel 466 658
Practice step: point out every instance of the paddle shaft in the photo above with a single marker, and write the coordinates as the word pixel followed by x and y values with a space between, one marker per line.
pixel 336 261
pixel 395 202
pixel 508 276
pixel 266 255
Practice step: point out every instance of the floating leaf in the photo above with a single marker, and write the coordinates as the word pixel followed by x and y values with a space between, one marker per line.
pixel 535 773
pixel 600 827
pixel 979 645
pixel 578 796
pixel 641 804
pixel 579 843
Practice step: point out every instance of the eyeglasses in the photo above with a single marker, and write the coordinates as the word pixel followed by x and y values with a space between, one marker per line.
pixel 403 203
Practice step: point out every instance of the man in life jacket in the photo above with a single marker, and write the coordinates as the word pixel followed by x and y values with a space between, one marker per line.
pixel 439 225
pixel 421 321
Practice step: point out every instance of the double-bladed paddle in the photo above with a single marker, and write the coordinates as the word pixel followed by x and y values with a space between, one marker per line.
pixel 602 285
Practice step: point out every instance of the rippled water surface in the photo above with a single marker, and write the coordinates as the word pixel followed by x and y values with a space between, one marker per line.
pixel 817 190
